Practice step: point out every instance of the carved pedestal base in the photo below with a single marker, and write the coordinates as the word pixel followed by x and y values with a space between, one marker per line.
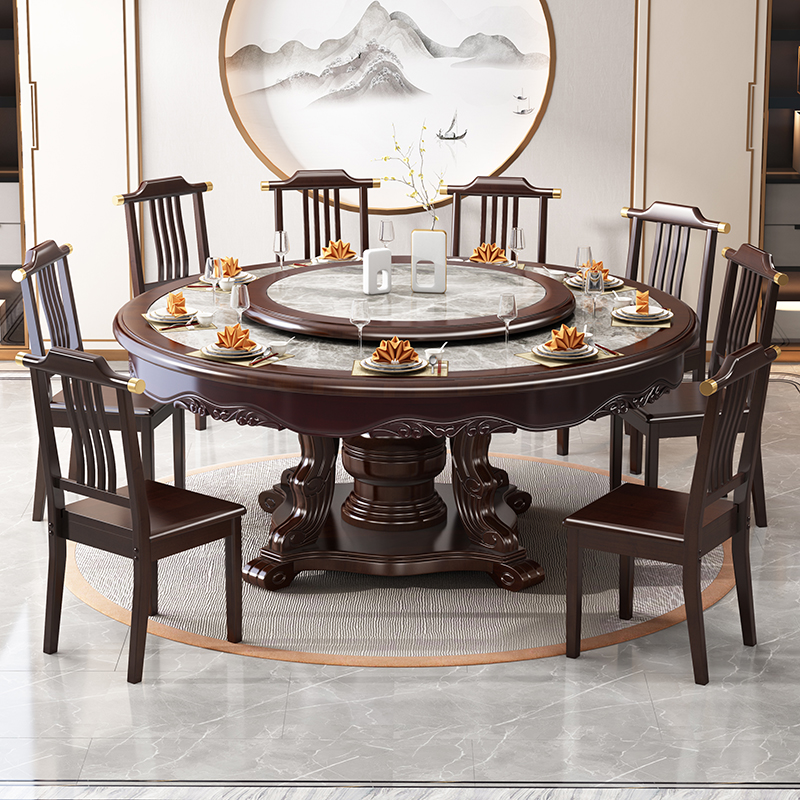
pixel 392 521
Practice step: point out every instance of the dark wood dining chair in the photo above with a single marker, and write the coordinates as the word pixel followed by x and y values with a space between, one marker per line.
pixel 672 227
pixel 144 521
pixel 159 203
pixel 749 297
pixel 500 198
pixel 322 206
pixel 681 527
pixel 46 274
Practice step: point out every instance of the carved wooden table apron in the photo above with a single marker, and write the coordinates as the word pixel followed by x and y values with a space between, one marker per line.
pixel 391 520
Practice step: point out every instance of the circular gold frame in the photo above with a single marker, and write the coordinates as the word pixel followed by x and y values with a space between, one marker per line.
pixel 385 211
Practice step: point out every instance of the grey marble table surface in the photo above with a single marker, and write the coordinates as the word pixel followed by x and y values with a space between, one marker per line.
pixel 317 353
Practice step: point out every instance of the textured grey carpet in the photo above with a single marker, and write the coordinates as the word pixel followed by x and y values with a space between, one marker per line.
pixel 450 614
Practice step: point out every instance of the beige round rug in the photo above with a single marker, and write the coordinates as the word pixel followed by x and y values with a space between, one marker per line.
pixel 426 620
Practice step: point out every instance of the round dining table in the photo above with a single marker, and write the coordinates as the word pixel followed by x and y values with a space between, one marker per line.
pixel 391 431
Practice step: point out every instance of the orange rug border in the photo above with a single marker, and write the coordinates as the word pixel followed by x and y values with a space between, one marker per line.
pixel 84 591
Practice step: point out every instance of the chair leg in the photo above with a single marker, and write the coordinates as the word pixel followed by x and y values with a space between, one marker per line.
pixel 740 546
pixel 38 492
pixel 574 594
pixel 694 620
pixel 55 592
pixel 179 447
pixel 148 453
pixel 142 573
pixel 233 582
pixel 626 568
pixel 200 422
pixel 651 460
pixel 562 441
pixel 615 453
pixel 636 450
pixel 153 609
pixel 759 495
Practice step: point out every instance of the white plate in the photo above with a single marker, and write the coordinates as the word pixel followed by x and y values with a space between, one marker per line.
pixel 579 354
pixel 214 349
pixel 368 363
pixel 491 263
pixel 577 283
pixel 555 274
pixel 629 314
pixel 242 277
pixel 162 315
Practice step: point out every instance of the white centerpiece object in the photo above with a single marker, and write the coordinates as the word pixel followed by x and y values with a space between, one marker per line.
pixel 377 271
pixel 429 250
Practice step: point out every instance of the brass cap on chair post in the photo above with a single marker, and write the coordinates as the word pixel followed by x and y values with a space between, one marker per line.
pixel 624 212
pixel 376 184
pixel 724 227
pixel 209 186
pixel 726 250
pixel 781 279
pixel 136 386
pixel 117 199
pixel 20 358
pixel 18 275
pixel 443 189
pixel 264 186
pixel 776 349
pixel 69 247
pixel 556 194
pixel 707 388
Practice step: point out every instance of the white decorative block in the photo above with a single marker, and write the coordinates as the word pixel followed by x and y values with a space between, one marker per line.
pixel 429 249
pixel 377 271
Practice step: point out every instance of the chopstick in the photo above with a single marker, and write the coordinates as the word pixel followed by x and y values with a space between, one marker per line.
pixel 607 350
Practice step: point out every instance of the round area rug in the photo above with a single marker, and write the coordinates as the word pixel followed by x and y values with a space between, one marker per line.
pixel 426 620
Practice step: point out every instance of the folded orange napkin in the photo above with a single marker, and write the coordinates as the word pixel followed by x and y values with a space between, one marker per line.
pixel 227 267
pixel 395 352
pixel 338 251
pixel 565 339
pixel 235 338
pixel 488 254
pixel 176 305
pixel 594 266
pixel 642 302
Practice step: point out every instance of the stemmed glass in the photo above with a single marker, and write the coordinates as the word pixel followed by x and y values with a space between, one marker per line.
pixel 386 234
pixel 212 276
pixel 359 316
pixel 506 311
pixel 281 245
pixel 516 243
pixel 240 299
pixel 594 286
pixel 583 256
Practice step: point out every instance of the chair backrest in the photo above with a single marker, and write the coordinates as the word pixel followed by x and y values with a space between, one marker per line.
pixel 739 384
pixel 84 376
pixel 673 226
pixel 46 273
pixel 496 194
pixel 161 200
pixel 749 298
pixel 320 190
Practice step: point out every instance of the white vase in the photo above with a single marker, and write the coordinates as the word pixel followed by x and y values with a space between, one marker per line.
pixel 429 251
pixel 378 271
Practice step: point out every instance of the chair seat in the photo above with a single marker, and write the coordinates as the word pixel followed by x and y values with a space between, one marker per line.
pixel 646 512
pixel 172 511
pixel 142 404
pixel 684 402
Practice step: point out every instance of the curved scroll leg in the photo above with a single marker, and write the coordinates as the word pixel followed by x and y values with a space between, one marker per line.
pixel 489 519
pixel 299 506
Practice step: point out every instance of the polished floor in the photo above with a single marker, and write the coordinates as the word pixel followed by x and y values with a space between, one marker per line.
pixel 626 717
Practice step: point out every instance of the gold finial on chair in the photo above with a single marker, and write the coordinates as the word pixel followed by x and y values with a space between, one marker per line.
pixel 556 194
pixel 724 227
pixel 18 275
pixel 624 212
pixel 781 279
pixel 264 186
pixel 707 388
pixel 117 199
pixel 209 186
pixel 136 386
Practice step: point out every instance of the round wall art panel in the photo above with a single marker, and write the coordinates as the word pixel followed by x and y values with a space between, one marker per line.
pixel 421 91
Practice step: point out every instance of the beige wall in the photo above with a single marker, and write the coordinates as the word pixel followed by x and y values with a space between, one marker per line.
pixel 689 145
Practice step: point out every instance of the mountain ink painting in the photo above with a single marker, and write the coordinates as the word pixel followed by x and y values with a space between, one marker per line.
pixel 320 84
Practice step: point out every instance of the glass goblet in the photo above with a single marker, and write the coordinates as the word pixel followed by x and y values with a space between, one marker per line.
pixel 386 234
pixel 594 286
pixel 359 316
pixel 507 311
pixel 516 243
pixel 583 258
pixel 240 299
pixel 211 274
pixel 280 245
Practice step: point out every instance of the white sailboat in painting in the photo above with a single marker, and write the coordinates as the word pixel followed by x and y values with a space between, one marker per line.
pixel 521 98
pixel 452 133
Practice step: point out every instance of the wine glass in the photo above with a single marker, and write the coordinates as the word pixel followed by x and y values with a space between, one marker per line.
pixel 211 274
pixel 583 257
pixel 594 286
pixel 516 243
pixel 359 316
pixel 240 299
pixel 506 311
pixel 281 245
pixel 386 234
